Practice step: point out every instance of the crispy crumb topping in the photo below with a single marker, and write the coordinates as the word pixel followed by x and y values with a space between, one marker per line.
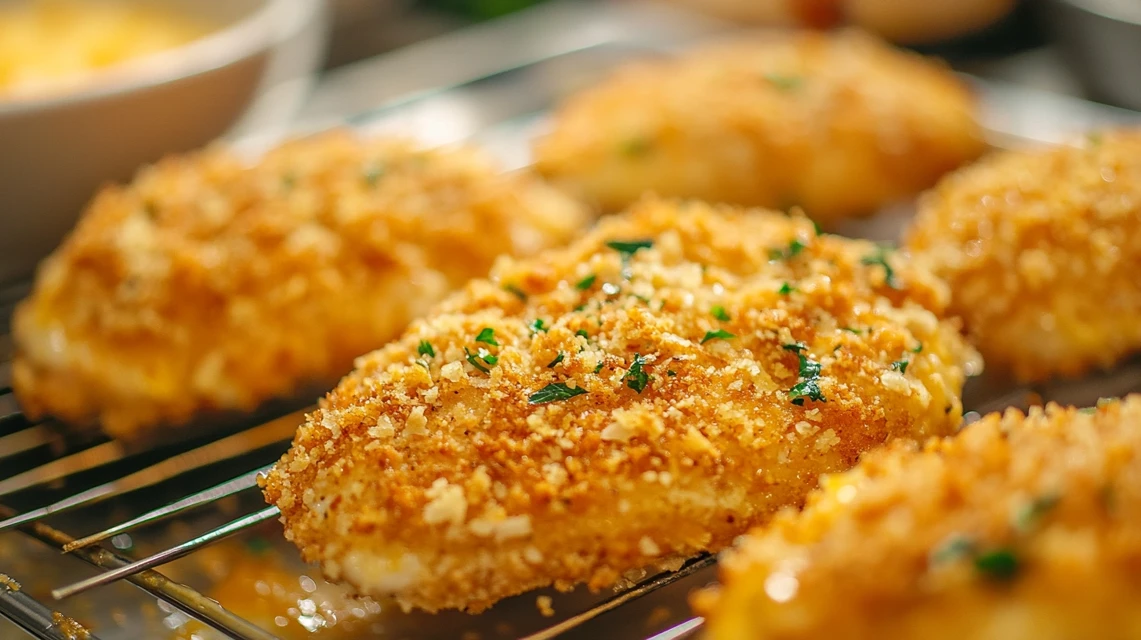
pixel 840 124
pixel 1042 249
pixel 531 469
pixel 209 283
pixel 1018 527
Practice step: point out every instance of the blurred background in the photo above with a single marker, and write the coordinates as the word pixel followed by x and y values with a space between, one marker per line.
pixel 92 89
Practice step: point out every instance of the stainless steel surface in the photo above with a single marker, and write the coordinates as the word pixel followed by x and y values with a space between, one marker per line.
pixel 57 150
pixel 1101 39
pixel 34 618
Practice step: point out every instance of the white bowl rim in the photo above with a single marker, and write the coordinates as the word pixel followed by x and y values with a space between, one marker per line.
pixel 220 48
pixel 1103 10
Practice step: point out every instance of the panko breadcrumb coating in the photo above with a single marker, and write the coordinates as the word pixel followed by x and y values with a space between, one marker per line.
pixel 655 389
pixel 839 124
pixel 1018 527
pixel 208 284
pixel 1042 250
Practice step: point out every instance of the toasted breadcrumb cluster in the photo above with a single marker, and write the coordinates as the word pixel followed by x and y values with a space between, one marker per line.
pixel 1018 527
pixel 208 284
pixel 653 390
pixel 1042 251
pixel 840 124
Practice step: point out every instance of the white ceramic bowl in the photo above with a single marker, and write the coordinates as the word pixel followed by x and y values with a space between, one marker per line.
pixel 56 151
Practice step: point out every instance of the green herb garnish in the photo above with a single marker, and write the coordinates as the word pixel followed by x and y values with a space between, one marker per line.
pixel 1001 564
pixel 720 334
pixel 851 330
pixel 809 376
pixel 719 312
pixel 637 147
pixel 586 283
pixel 794 248
pixel 900 365
pixel 636 378
pixel 583 333
pixel 629 247
pixel 519 293
pixel 553 392
pixel 475 358
pixel 372 174
pixel 425 349
pixel 1027 516
pixel 784 82
pixel 598 367
pixel 559 358
pixel 487 336
pixel 786 289
pixel 539 326
pixel 880 259
pixel 918 348
pixel 954 548
pixel 671 373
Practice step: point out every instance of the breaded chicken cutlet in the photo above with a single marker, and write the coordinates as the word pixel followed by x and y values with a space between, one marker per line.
pixel 1042 251
pixel 656 388
pixel 839 124
pixel 208 284
pixel 1017 528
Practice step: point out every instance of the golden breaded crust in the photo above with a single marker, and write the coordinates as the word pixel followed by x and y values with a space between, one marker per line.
pixel 1018 527
pixel 839 124
pixel 426 477
pixel 1042 250
pixel 207 284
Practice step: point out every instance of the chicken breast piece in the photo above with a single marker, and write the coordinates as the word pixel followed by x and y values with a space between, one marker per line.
pixel 1042 250
pixel 839 124
pixel 669 380
pixel 1018 527
pixel 207 284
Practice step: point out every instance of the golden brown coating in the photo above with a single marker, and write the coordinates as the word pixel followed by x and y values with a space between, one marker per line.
pixel 1042 250
pixel 207 284
pixel 629 411
pixel 840 124
pixel 1018 527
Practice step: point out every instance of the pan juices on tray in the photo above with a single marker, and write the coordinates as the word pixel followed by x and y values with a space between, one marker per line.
pixel 652 391
pixel 210 284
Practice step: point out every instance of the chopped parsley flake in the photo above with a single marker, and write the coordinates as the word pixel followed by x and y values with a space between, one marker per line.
pixel 583 333
pixel 880 259
pixel 1089 411
pixel 580 307
pixel 719 312
pixel 487 358
pixel 426 349
pixel 900 365
pixel 372 174
pixel 487 336
pixel 598 367
pixel 794 249
pixel 516 291
pixel 637 147
pixel 954 548
pixel 559 358
pixel 553 392
pixel 636 378
pixel 784 82
pixel 786 289
pixel 671 373
pixel 539 325
pixel 851 330
pixel 816 228
pixel 918 348
pixel 1027 516
pixel 1001 564
pixel 629 247
pixel 809 376
pixel 642 298
pixel 586 283
pixel 720 334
